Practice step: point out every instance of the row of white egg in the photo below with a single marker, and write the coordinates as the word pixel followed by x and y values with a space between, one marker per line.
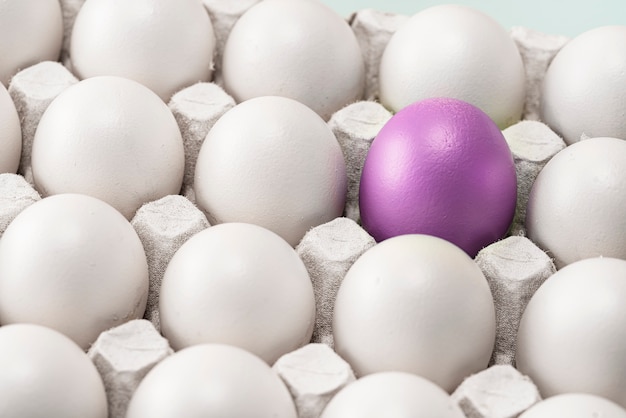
pixel 168 46
pixel 219 380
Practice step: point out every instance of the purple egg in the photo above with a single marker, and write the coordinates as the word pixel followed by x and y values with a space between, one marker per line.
pixel 439 167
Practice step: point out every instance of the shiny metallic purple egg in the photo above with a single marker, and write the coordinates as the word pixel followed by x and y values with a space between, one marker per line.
pixel 441 167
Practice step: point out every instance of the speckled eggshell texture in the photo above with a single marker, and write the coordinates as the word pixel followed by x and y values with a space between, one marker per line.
pixel 211 380
pixel 298 49
pixel 111 138
pixel 31 31
pixel 72 263
pixel 440 167
pixel 45 374
pixel 575 405
pixel 10 134
pixel 392 394
pixel 572 335
pixel 273 162
pixel 418 304
pixel 577 205
pixel 584 89
pixel 165 45
pixel 454 51
pixel 238 284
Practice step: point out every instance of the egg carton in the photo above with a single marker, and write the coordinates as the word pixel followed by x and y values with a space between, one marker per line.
pixel 514 267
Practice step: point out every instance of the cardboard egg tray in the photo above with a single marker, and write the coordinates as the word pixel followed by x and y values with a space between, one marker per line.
pixel 514 267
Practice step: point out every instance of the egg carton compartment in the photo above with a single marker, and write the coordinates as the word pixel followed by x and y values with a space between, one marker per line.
pixel 514 267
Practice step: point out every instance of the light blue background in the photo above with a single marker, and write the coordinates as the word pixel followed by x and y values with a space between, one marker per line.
pixel 559 17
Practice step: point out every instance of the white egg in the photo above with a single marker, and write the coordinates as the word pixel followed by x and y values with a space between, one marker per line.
pixel 10 134
pixel 211 380
pixel 572 335
pixel 165 45
pixel 454 51
pixel 31 31
pixel 392 394
pixel 273 162
pixel 419 304
pixel 575 405
pixel 584 89
pixel 45 374
pixel 110 138
pixel 577 205
pixel 72 263
pixel 298 49
pixel 238 284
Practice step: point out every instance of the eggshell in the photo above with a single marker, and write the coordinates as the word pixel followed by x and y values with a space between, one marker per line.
pixel 237 284
pixel 273 162
pixel 211 380
pixel 439 167
pixel 45 374
pixel 454 51
pixel 418 304
pixel 298 49
pixel 10 134
pixel 392 394
pixel 577 205
pixel 584 89
pixel 72 263
pixel 572 335
pixel 110 138
pixel 31 31
pixel 575 405
pixel 165 45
